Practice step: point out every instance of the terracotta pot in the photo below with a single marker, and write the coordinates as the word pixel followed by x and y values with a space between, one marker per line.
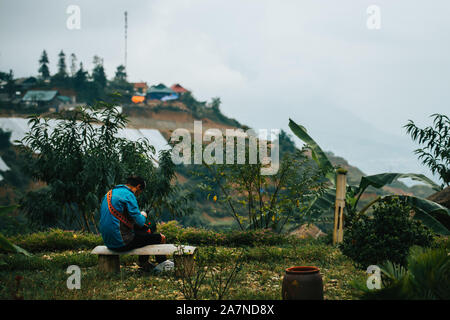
pixel 302 283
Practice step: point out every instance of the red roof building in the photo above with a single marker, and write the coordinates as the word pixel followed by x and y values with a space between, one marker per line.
pixel 140 87
pixel 178 89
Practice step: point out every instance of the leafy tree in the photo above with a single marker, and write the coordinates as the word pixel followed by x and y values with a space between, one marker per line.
pixel 80 78
pixel 121 75
pixel 5 244
pixel 82 158
pixel 43 69
pixel 86 91
pixel 121 85
pixel 61 77
pixel 98 73
pixel 62 67
pixel 387 235
pixel 436 140
pixel 425 277
pixel 215 104
pixel 258 201
pixel 9 78
pixel 425 210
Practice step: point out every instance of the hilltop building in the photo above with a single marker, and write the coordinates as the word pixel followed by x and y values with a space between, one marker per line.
pixel 24 84
pixel 179 89
pixel 46 98
pixel 160 91
pixel 140 87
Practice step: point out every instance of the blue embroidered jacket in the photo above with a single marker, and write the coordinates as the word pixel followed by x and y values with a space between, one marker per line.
pixel 114 232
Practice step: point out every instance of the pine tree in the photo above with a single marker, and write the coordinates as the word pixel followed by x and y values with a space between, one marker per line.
pixel 43 69
pixel 80 78
pixel 98 73
pixel 62 68
pixel 73 65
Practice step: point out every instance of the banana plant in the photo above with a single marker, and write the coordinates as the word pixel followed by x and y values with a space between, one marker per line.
pixel 424 209
pixel 5 244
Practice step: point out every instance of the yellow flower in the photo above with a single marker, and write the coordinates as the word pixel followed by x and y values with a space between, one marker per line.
pixel 74 236
pixel 215 198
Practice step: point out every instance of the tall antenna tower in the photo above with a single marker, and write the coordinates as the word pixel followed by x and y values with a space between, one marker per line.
pixel 126 27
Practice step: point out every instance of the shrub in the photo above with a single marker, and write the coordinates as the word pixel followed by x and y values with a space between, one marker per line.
pixel 60 240
pixel 57 240
pixel 198 236
pixel 387 235
pixel 427 276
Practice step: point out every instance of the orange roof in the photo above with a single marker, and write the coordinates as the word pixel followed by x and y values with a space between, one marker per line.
pixel 178 89
pixel 140 85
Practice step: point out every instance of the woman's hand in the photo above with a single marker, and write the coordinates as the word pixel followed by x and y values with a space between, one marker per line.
pixel 144 213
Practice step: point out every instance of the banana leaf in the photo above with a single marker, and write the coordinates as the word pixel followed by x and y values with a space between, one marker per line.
pixel 316 152
pixel 323 207
pixel 424 209
pixel 382 179
pixel 6 245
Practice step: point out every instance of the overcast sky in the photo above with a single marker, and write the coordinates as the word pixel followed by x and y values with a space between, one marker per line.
pixel 316 62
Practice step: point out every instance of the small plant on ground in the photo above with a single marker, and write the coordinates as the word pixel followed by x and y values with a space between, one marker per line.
pixel 224 275
pixel 387 235
pixel 426 277
pixel 257 201
pixel 209 274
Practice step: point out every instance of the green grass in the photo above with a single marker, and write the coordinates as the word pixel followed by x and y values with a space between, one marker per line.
pixel 260 277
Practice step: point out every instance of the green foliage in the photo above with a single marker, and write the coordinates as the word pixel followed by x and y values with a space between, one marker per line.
pixel 121 74
pixel 387 235
pixel 380 180
pixel 210 276
pixel 43 69
pixel 198 236
pixel 262 268
pixel 42 211
pixel 4 139
pixel 12 223
pixel 61 77
pixel 98 73
pixel 258 201
pixel 436 140
pixel 57 240
pixel 14 179
pixel 426 277
pixel 424 209
pixel 82 158
pixel 5 244
pixel 316 152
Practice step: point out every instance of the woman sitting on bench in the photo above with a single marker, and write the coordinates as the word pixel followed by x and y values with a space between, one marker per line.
pixel 122 224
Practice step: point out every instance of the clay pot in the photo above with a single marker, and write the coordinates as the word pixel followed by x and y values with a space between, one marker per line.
pixel 302 283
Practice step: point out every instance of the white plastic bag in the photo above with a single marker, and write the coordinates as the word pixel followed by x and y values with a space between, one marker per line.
pixel 167 265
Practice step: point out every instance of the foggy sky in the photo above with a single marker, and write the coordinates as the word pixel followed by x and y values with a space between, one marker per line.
pixel 313 61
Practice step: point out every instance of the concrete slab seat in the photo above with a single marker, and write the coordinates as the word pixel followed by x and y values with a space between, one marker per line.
pixel 183 256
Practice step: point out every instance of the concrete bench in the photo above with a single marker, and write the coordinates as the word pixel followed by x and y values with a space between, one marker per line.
pixel 109 260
